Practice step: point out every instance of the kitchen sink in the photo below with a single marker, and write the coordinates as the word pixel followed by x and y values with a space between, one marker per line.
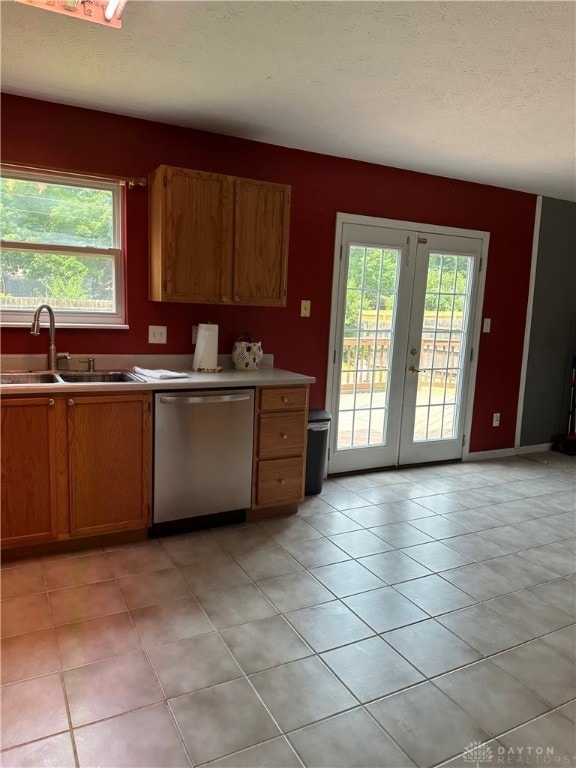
pixel 96 377
pixel 29 378
pixel 68 377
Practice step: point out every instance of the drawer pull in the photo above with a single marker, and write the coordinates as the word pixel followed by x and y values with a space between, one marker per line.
pixel 285 399
pixel 281 481
pixel 284 436
pixel 51 401
pixel 70 402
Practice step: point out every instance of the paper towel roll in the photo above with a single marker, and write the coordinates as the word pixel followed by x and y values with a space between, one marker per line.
pixel 206 353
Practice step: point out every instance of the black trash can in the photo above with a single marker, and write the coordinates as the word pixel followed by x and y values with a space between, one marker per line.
pixel 318 428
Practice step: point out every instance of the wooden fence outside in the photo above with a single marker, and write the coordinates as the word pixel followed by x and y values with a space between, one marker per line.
pixel 366 362
pixel 78 305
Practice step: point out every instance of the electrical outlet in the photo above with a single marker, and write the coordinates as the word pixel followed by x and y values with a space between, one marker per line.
pixel 156 334
pixel 194 334
pixel 496 420
pixel 305 308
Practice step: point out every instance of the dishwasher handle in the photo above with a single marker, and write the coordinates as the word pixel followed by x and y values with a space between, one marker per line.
pixel 201 400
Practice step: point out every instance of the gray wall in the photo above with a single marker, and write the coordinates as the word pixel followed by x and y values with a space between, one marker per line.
pixel 553 331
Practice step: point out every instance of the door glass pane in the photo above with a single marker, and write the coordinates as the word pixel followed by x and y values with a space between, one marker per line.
pixel 442 353
pixel 371 289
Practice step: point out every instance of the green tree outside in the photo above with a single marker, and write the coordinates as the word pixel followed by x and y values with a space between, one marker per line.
pixel 57 214
pixel 372 284
pixel 372 278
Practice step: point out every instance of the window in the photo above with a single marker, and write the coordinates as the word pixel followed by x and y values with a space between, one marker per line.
pixel 61 245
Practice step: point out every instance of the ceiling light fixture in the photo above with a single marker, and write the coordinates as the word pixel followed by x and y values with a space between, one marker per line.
pixel 107 12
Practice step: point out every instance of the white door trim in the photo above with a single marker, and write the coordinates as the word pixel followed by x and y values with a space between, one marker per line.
pixel 528 325
pixel 351 218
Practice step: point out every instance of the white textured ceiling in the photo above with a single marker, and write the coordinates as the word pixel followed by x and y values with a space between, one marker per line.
pixel 483 91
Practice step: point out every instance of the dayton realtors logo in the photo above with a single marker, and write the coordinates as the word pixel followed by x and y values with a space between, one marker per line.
pixel 478 755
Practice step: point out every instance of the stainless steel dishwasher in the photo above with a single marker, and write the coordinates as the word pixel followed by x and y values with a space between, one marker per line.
pixel 202 452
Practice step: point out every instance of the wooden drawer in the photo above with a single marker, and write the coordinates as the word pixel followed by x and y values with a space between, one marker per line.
pixel 282 434
pixel 280 481
pixel 283 399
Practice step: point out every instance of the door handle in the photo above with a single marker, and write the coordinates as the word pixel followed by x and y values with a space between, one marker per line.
pixel 413 369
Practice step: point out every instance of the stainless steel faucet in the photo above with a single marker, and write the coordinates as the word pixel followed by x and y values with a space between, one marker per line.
pixel 53 355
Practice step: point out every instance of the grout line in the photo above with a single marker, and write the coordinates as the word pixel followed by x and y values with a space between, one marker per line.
pixel 61 676
pixel 307 569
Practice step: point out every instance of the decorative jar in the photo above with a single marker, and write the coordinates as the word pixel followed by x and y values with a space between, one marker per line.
pixel 247 353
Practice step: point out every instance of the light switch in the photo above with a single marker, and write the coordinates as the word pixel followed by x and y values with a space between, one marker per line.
pixel 487 324
pixel 305 308
pixel 156 334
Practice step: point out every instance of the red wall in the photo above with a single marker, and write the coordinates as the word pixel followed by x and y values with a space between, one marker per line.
pixel 55 136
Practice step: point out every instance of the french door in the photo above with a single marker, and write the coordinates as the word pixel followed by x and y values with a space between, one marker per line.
pixel 404 304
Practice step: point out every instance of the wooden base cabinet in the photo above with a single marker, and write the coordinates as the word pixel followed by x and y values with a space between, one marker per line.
pixel 109 463
pixel 281 424
pixel 33 471
pixel 74 466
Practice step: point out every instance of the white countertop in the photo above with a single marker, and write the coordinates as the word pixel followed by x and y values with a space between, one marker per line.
pixel 266 376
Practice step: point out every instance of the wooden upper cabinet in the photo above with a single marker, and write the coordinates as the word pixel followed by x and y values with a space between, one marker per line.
pixel 191 236
pixel 217 239
pixel 262 221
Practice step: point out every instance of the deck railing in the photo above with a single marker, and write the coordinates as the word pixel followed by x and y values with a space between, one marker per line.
pixel 366 362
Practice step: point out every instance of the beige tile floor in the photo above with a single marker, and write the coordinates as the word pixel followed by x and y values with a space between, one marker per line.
pixel 400 618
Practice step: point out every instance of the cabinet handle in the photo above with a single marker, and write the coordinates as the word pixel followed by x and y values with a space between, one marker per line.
pixel 70 402
pixel 225 298
pixel 281 481
pixel 285 399
pixel 51 401
pixel 284 435
pixel 236 298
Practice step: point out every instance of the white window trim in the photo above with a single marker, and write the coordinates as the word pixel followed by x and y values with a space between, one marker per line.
pixel 21 318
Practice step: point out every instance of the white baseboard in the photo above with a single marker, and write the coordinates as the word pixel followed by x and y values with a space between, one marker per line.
pixel 480 455
pixel 520 449
pixel 504 452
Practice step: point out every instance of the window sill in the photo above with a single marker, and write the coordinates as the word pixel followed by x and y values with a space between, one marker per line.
pixel 59 325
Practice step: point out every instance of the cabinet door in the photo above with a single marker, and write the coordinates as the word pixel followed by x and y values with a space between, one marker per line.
pixel 191 238
pixel 261 224
pixel 109 463
pixel 31 481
